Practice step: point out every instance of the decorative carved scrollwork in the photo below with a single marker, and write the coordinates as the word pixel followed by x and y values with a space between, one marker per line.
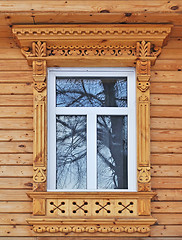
pixel 91 229
pixel 99 51
pixel 39 176
pixel 144 174
pixel 156 51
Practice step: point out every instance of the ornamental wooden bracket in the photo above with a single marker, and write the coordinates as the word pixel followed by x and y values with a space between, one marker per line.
pixel 91 214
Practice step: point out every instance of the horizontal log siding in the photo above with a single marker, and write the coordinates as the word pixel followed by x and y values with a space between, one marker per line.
pixel 16 112
pixel 166 141
pixel 16 139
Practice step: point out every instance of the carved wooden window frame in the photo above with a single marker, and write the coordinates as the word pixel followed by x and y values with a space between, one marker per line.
pixel 89 213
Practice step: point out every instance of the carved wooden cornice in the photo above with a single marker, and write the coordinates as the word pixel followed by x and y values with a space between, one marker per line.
pixel 121 33
pixel 85 214
pixel 90 42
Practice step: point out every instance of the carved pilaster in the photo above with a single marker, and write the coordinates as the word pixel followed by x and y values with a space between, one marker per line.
pixel 40 139
pixel 144 52
pixel 40 115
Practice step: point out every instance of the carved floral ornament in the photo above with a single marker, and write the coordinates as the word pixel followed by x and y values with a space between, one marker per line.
pixel 91 214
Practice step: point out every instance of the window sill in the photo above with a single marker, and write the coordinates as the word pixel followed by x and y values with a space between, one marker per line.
pixel 84 213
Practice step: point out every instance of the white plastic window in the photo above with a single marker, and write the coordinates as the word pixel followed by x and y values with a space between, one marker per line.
pixel 91 129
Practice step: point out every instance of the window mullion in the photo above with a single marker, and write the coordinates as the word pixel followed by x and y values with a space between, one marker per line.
pixel 91 151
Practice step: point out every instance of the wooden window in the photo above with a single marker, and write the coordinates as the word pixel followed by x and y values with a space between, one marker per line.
pixel 83 213
pixel 92 129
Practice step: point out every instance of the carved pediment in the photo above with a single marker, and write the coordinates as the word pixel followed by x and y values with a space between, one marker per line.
pixel 90 43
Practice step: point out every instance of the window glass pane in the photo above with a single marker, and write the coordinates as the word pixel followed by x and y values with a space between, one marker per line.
pixel 71 152
pixel 112 168
pixel 91 92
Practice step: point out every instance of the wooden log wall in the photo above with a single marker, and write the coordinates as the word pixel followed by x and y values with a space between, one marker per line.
pixel 16 113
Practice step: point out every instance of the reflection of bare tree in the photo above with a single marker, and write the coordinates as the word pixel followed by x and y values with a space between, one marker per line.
pixel 111 132
pixel 90 92
pixel 71 152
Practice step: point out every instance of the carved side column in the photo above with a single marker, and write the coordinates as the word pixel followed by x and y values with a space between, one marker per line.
pixel 40 117
pixel 143 115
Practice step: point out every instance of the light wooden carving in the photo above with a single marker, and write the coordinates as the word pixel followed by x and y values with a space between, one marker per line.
pixel 92 214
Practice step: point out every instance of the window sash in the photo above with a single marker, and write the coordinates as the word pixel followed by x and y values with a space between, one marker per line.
pixel 92 113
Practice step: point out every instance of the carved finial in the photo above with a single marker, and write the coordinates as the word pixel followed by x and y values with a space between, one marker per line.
pixel 39 49
pixel 143 49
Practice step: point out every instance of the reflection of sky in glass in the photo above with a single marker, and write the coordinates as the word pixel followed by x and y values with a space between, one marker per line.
pixel 91 92
pixel 71 150
pixel 112 152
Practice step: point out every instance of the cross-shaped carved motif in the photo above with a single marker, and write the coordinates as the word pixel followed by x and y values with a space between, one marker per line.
pixel 57 207
pixel 103 207
pixel 80 207
pixel 125 207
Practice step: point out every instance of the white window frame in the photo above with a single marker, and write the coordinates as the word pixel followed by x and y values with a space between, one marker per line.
pixel 92 113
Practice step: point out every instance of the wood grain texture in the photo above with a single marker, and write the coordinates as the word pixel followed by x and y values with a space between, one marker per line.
pixel 168 88
pixel 14 195
pixel 166 123
pixel 166 99
pixel 166 135
pixel 166 147
pixel 16 147
pixel 166 76
pixel 15 207
pixel 15 88
pixel 14 65
pixel 16 100
pixel 166 159
pixel 166 207
pixel 167 171
pixel 16 123
pixel 16 112
pixel 16 171
pixel 166 111
pixel 20 231
pixel 166 231
pixel 14 218
pixel 16 77
pixel 16 159
pixel 94 6
pixel 16 135
pixel 16 183
pixel 167 65
pixel 168 195
pixel 166 218
pixel 166 183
